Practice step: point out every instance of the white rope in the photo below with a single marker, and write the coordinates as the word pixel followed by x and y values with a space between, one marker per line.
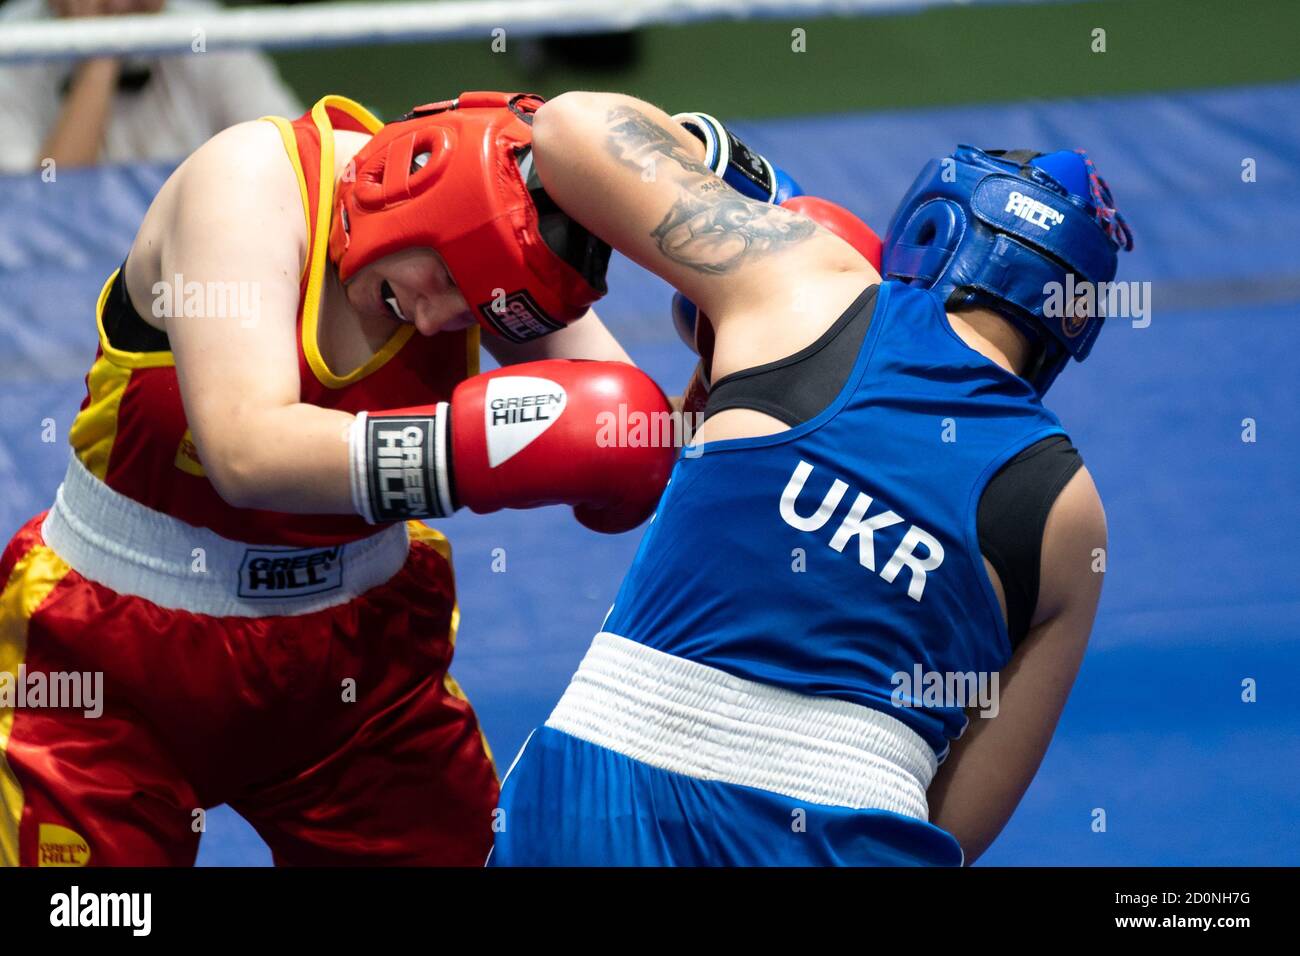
pixel 335 24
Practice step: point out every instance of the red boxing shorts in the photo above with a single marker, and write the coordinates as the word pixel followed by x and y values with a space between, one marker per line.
pixel 150 670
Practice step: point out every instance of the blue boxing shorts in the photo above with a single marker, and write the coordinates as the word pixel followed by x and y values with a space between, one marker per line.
pixel 570 801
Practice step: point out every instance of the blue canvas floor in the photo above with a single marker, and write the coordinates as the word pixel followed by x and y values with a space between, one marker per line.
pixel 1203 580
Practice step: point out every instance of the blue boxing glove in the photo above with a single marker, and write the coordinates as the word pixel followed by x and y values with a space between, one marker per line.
pixel 744 170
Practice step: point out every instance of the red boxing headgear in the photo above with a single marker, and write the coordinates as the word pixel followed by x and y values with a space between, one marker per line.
pixel 458 177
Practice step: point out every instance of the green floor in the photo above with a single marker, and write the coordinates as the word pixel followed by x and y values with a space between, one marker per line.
pixel 948 55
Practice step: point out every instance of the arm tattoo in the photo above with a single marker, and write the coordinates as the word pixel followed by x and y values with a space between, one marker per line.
pixel 719 232
pixel 711 228
pixel 637 142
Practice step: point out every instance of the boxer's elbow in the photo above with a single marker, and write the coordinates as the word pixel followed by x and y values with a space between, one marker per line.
pixel 234 477
pixel 561 112
pixel 556 125
pixel 568 124
pixel 234 467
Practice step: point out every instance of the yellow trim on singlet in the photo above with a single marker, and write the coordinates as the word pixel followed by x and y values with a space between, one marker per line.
pixel 34 576
pixel 290 140
pixel 121 357
pixel 318 258
pixel 94 429
pixel 423 534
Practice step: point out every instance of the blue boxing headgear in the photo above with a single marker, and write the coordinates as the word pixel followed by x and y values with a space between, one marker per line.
pixel 995 227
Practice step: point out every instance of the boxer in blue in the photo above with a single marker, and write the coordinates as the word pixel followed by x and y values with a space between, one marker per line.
pixel 878 522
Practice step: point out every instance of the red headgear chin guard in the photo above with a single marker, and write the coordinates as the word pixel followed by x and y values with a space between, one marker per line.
pixel 458 177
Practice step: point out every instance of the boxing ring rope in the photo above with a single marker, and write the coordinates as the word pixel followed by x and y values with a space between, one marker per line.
pixel 336 24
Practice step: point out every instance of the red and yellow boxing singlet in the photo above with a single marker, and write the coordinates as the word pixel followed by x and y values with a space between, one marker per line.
pixel 131 431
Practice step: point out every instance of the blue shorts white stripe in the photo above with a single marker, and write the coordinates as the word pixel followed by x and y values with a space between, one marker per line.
pixel 654 760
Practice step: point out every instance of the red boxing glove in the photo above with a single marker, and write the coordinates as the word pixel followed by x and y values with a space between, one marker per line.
pixel 841 222
pixel 693 326
pixel 550 433
pixel 595 435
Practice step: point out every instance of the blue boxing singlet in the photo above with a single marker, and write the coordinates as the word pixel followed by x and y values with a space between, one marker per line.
pixel 756 694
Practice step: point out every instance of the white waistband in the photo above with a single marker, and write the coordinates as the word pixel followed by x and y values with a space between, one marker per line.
pixel 697 720
pixel 108 538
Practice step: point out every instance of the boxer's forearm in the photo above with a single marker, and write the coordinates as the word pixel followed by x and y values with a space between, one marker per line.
pixel 293 459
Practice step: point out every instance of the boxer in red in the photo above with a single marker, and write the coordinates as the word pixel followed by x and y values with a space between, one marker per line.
pixel 286 381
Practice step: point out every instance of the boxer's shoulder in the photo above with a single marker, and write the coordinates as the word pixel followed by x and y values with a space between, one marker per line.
pixel 246 165
pixel 1074 551
pixel 234 202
